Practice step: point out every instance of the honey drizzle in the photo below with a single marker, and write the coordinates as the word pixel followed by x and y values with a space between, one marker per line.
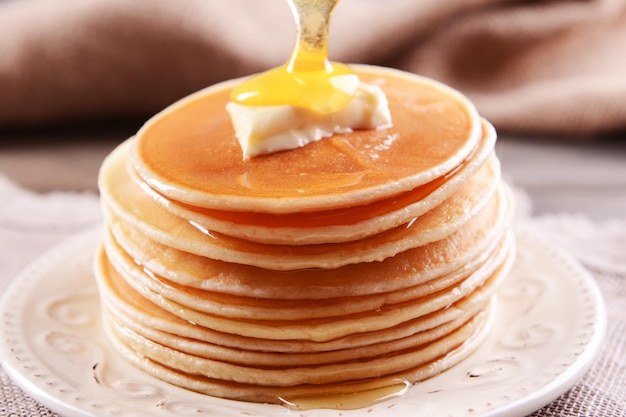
pixel 309 80
pixel 313 24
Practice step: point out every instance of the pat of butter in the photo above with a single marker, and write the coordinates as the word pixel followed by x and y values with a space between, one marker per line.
pixel 266 129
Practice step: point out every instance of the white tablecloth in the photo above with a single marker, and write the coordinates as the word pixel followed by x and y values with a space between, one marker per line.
pixel 31 223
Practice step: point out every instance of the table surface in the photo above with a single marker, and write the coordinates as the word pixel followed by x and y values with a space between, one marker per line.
pixel 559 175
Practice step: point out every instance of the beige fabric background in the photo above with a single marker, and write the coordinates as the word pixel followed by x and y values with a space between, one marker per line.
pixel 532 67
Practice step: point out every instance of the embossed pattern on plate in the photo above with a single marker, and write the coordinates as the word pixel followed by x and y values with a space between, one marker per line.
pixel 550 322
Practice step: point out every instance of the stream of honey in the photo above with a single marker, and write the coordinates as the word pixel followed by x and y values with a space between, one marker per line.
pixel 308 80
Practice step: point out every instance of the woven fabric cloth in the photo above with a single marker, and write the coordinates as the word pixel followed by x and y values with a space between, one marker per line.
pixel 549 67
pixel 31 223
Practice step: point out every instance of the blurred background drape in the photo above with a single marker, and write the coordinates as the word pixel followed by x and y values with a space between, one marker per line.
pixel 551 67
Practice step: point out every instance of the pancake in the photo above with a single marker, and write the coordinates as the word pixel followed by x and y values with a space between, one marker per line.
pixel 302 320
pixel 120 297
pixel 279 359
pixel 124 202
pixel 373 276
pixel 434 129
pixel 338 225
pixel 364 261
pixel 246 307
pixel 467 341
pixel 460 250
pixel 297 374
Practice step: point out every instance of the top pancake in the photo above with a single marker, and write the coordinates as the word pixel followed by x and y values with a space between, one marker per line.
pixel 189 152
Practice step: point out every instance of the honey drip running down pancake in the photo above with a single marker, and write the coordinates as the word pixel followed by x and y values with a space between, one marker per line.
pixel 361 263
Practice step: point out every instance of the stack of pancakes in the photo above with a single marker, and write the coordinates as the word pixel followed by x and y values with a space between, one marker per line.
pixel 346 265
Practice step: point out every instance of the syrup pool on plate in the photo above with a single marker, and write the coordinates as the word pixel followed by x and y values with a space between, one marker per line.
pixel 350 400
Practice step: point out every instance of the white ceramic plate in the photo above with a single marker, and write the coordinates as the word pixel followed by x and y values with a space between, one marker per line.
pixel 549 325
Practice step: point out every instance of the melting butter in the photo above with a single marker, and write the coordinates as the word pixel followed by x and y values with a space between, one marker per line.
pixel 268 129
pixel 308 98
